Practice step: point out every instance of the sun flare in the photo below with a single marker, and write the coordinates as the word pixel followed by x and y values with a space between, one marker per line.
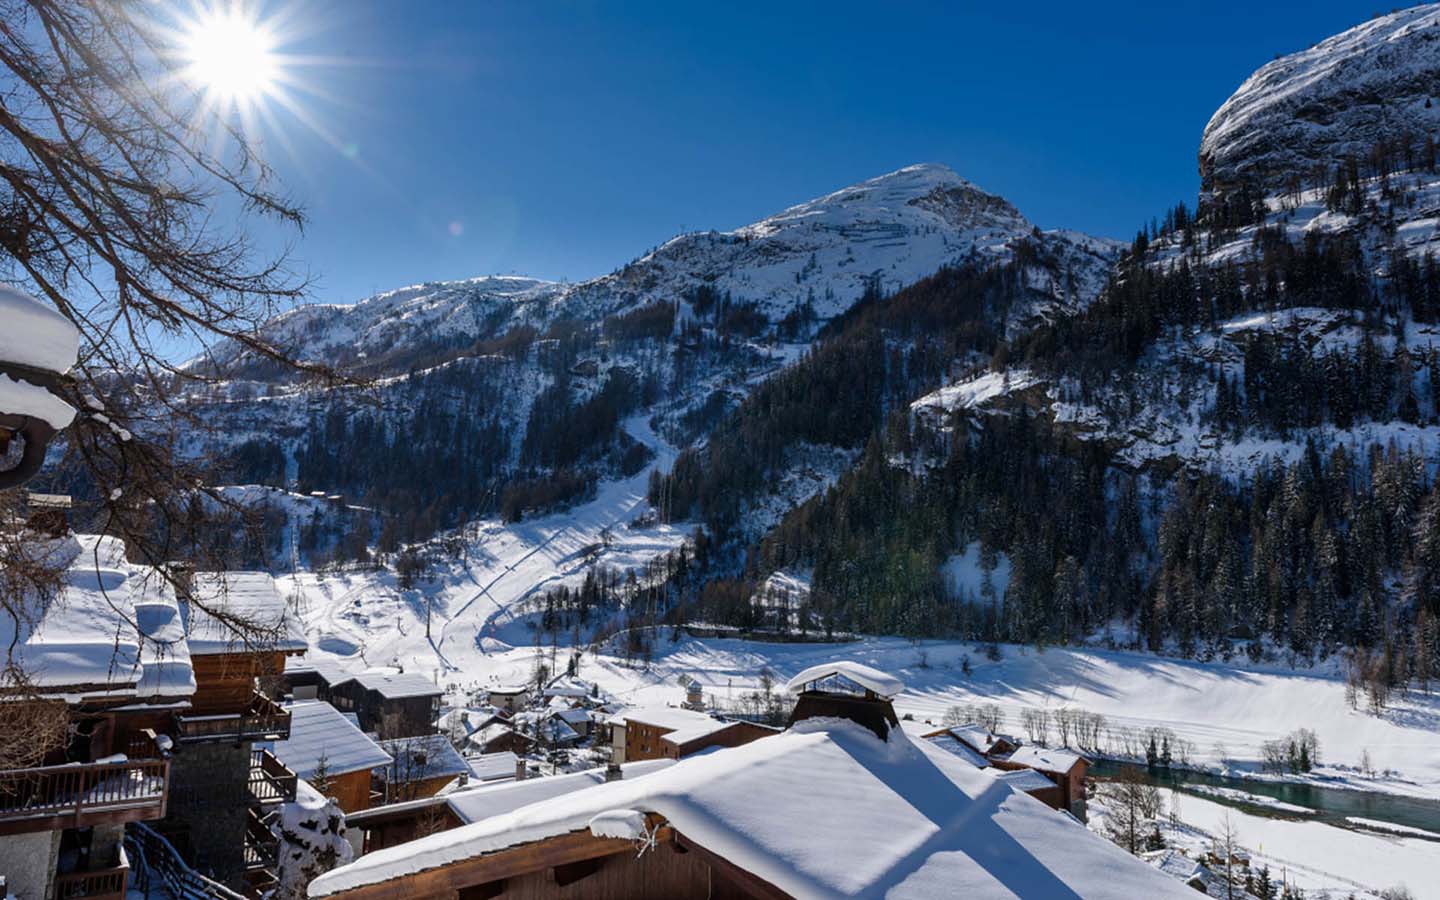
pixel 231 55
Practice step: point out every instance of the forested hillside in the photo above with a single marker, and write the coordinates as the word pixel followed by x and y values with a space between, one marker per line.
pixel 1231 451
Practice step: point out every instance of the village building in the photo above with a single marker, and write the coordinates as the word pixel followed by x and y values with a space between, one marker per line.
pixel 326 749
pixel 981 740
pixel 1197 874
pixel 419 767
pixel 390 704
pixel 492 768
pixel 462 722
pixel 672 732
pixel 310 679
pixel 1065 768
pixel 579 720
pixel 511 697
pixel 223 786
pixel 951 744
pixel 827 808
pixel 498 737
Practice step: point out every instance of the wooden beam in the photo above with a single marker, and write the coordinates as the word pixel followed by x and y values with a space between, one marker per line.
pixel 484 891
pixel 536 856
pixel 569 873
pixel 753 885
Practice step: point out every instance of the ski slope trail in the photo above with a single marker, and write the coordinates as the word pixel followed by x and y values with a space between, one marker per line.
pixel 473 606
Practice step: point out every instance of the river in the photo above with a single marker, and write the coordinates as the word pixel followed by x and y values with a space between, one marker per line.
pixel 1331 805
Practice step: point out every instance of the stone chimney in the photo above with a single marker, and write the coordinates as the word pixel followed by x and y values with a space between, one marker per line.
pixel 613 772
pixel 520 770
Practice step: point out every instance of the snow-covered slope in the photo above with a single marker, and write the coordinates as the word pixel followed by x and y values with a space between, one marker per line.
pixel 1377 81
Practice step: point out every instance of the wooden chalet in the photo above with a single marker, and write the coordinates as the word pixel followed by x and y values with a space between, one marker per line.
pixel 498 737
pixel 1057 777
pixel 390 704
pixel 419 767
pixel 511 697
pixel 325 749
pixel 163 705
pixel 238 631
pixel 671 732
pixel 62 817
pixel 1065 768
pixel 827 808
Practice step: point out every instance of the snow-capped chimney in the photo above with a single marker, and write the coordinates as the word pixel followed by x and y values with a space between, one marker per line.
pixel 613 772
pixel 520 770
pixel 846 690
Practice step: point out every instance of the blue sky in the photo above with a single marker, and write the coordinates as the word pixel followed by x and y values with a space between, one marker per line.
pixel 564 139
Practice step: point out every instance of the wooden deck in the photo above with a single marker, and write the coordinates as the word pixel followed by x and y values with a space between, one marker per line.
pixel 262 719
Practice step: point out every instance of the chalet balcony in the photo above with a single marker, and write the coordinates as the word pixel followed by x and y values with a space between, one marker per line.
pixel 78 795
pixel 100 884
pixel 262 719
pixel 271 781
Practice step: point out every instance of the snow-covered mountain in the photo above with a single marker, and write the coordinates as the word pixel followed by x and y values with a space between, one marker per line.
pixel 1376 82
pixel 887 232
pixel 435 314
pixel 894 230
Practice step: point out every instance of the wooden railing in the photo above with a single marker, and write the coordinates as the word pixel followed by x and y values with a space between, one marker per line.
pixel 80 794
pixel 271 781
pixel 155 856
pixel 263 718
pixel 262 849
pixel 101 884
pixel 144 744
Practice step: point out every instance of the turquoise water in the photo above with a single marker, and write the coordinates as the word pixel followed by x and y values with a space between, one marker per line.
pixel 1331 804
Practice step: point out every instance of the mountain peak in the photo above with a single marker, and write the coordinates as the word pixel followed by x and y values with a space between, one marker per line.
pixel 1378 81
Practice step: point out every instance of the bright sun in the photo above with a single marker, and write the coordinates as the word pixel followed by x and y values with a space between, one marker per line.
pixel 231 55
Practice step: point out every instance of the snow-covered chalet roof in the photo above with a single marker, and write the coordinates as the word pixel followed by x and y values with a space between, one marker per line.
pixel 165 653
pixel 681 724
pixel 394 685
pixel 487 801
pixel 318 730
pixel 82 641
pixel 953 745
pixel 423 757
pixel 492 766
pixel 976 736
pixel 1045 759
pixel 1023 779
pixel 825 809
pixel 491 732
pixel 882 683
pixel 254 601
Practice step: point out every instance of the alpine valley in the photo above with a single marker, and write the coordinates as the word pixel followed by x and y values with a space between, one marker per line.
pixel 903 409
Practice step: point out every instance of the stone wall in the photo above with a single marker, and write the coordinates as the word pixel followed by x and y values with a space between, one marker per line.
pixel 209 804
pixel 28 863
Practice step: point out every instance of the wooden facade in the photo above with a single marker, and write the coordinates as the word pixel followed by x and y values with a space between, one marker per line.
pixel 389 717
pixel 399 823
pixel 351 790
pixel 647 741
pixel 580 865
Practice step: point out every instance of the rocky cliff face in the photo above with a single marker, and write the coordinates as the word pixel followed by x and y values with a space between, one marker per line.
pixel 1379 81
